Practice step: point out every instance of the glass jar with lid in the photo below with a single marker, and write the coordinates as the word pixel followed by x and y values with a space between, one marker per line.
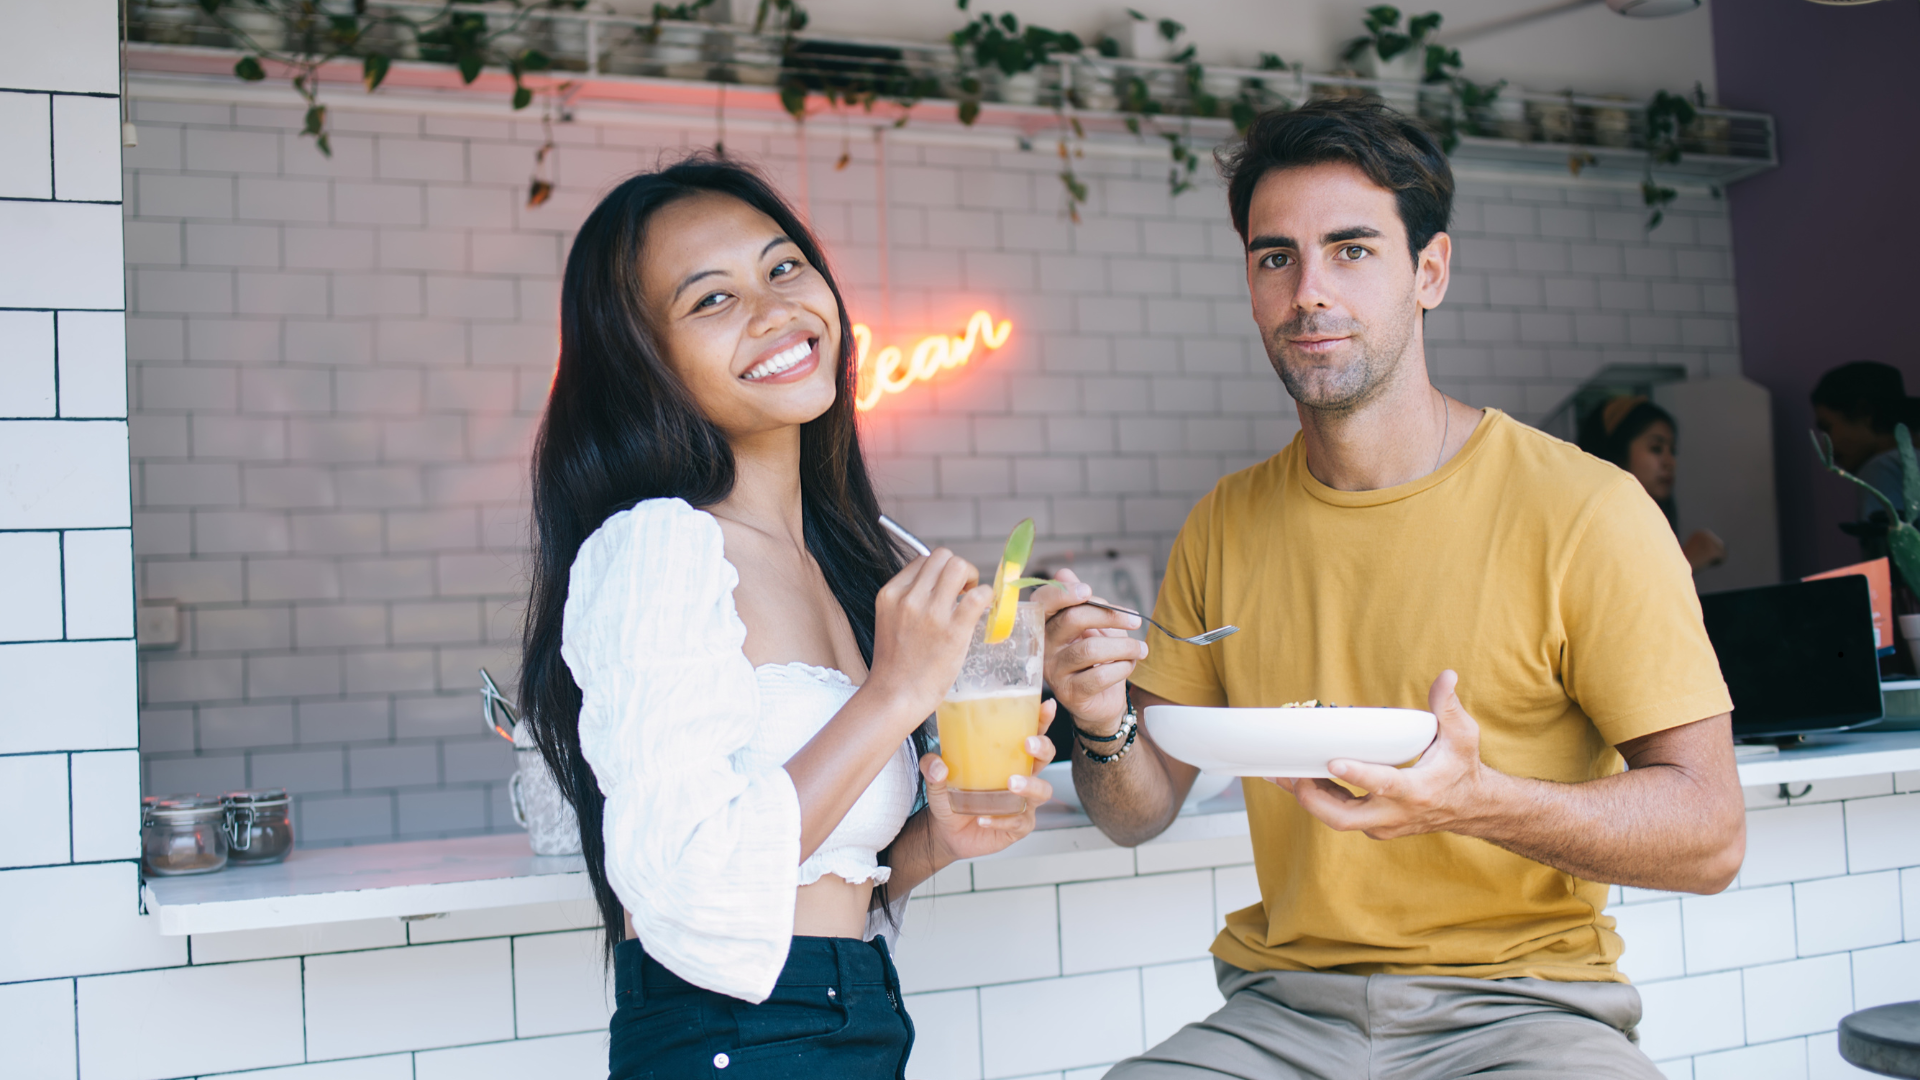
pixel 258 829
pixel 184 834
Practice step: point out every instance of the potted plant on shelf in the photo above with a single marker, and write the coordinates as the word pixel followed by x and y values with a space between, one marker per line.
pixel 1387 52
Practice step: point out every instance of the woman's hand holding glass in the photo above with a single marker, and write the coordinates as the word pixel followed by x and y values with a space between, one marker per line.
pixel 923 620
pixel 967 836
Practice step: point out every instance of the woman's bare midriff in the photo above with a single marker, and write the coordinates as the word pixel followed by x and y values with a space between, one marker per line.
pixel 829 907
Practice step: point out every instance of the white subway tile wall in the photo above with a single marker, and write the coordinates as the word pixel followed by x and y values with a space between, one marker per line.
pixel 383 1000
pixel 946 1043
pixel 33 787
pixel 26 359
pixel 137 1026
pixel 1794 842
pixel 1738 928
pixel 36 1019
pixel 1797 998
pixel 560 984
pixel 335 368
pixel 338 363
pixel 106 819
pixel 67 882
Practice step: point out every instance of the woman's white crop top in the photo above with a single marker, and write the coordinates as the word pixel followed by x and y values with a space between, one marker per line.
pixel 689 743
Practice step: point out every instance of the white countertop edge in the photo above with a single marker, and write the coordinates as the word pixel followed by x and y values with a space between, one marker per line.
pixel 1832 762
pixel 306 909
pixel 1833 759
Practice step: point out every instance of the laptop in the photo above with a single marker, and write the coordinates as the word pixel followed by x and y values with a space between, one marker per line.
pixel 1798 658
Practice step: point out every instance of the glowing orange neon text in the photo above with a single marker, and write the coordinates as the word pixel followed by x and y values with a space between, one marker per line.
pixel 893 371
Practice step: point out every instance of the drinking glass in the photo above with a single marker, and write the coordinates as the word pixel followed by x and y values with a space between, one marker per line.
pixel 985 719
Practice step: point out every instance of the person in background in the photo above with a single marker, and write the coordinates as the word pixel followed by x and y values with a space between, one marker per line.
pixel 1857 405
pixel 1643 439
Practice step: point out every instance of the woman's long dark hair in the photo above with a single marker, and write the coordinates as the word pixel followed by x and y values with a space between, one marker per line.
pixel 621 427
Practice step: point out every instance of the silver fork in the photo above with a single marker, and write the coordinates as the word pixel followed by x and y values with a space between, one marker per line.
pixel 1207 638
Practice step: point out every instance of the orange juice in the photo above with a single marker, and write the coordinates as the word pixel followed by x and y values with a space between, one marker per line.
pixel 983 737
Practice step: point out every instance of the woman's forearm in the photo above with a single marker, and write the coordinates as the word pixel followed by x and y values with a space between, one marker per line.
pixel 835 766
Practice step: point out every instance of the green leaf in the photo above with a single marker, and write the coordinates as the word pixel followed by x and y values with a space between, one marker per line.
pixel 1272 62
pixel 316 120
pixel 373 70
pixel 1903 543
pixel 793 98
pixel 1019 543
pixel 470 65
pixel 522 97
pixel 1909 471
pixel 1390 45
pixel 969 111
pixel 1422 25
pixel 1381 16
pixel 325 144
pixel 212 7
pixel 248 68
pixel 1171 30
pixel 535 60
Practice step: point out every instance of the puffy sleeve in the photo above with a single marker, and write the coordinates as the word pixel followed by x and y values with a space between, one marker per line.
pixel 704 853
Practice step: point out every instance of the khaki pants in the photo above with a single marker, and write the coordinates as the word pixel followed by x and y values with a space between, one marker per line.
pixel 1279 1025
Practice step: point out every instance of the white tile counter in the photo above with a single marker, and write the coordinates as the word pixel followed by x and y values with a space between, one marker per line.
pixel 433 877
pixel 423 877
pixel 1825 918
pixel 436 876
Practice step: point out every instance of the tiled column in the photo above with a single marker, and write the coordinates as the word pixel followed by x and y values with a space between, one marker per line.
pixel 69 768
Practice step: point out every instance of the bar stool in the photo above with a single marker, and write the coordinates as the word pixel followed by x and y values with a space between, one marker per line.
pixel 1885 1039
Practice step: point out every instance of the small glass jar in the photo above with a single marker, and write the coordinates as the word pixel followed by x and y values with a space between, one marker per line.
pixel 258 829
pixel 184 834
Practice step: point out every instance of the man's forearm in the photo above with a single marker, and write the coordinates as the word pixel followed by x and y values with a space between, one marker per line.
pixel 1133 799
pixel 1644 828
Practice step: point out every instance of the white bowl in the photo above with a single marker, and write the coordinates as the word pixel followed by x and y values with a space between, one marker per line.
pixel 1288 742
pixel 1060 775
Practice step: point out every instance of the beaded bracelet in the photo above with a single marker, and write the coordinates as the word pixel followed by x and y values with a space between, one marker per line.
pixel 1129 727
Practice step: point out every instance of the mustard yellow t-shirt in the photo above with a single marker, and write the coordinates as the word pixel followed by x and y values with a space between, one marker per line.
pixel 1546 577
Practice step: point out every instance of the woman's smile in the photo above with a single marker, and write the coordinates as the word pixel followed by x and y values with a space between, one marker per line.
pixel 787 362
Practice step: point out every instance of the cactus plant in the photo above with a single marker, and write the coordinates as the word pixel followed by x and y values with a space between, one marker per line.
pixel 1903 539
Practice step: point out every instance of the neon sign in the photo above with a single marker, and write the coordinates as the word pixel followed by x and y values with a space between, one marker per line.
pixel 893 371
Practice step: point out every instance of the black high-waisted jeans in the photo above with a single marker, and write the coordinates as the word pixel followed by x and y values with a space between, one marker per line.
pixel 835 1012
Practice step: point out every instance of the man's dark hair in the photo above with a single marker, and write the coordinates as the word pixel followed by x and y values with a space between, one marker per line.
pixel 1395 151
pixel 1865 390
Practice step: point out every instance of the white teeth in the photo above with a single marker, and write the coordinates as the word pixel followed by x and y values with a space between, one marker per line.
pixel 779 362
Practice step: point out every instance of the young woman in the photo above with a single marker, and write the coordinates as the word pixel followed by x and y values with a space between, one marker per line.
pixel 725 661
pixel 1641 437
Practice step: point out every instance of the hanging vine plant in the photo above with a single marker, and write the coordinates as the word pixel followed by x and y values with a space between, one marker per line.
pixel 311 34
pixel 993 53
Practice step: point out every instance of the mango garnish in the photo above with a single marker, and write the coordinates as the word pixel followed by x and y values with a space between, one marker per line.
pixel 1007 583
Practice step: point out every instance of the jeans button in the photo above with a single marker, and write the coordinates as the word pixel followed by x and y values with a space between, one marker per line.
pixel 721 1061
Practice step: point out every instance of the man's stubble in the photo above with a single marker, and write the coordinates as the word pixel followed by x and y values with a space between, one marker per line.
pixel 1343 390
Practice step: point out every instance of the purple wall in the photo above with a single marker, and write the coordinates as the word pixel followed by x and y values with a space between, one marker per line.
pixel 1825 247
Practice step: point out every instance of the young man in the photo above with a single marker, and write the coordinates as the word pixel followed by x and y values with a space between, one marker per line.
pixel 1447 921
